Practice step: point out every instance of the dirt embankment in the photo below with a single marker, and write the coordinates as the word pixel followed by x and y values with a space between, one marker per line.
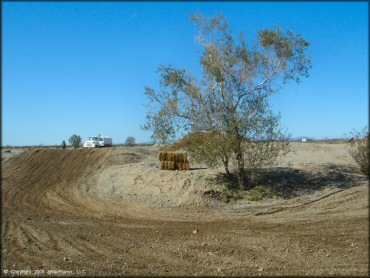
pixel 29 178
pixel 113 212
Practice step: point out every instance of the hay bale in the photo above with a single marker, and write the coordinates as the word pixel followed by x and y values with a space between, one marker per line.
pixel 173 161
pixel 185 166
pixel 182 166
pixel 173 156
pixel 180 157
pixel 164 156
pixel 170 156
pixel 177 157
pixel 166 165
pixel 171 165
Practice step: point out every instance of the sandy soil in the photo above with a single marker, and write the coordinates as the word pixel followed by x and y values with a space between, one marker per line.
pixel 113 212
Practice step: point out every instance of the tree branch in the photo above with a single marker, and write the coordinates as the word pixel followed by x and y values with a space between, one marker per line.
pixel 255 88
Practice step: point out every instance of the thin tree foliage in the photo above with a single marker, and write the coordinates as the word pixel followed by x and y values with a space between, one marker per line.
pixel 207 147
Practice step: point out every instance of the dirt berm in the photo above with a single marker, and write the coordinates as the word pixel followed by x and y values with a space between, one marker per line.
pixel 113 212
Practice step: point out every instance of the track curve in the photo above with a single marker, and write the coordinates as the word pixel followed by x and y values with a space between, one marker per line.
pixel 51 222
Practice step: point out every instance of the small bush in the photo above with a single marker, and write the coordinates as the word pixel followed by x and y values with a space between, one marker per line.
pixel 271 194
pixel 130 141
pixel 234 193
pixel 255 198
pixel 359 149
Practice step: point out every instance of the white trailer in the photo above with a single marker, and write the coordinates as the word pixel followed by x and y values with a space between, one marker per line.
pixel 98 142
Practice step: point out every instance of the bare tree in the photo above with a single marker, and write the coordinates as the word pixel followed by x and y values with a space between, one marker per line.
pixel 231 98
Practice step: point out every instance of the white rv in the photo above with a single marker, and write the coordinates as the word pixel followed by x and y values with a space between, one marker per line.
pixel 98 142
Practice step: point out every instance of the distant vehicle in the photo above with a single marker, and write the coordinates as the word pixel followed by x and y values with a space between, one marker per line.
pixel 98 142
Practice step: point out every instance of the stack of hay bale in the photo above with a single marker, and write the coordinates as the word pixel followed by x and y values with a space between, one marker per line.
pixel 173 161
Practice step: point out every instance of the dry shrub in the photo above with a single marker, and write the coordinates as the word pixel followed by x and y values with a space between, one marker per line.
pixel 210 148
pixel 359 149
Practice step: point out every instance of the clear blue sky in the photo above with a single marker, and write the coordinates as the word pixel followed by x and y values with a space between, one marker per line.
pixel 81 68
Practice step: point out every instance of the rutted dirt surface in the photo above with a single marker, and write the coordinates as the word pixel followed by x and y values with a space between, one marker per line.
pixel 113 212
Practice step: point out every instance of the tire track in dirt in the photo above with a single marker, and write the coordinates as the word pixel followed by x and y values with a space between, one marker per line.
pixel 38 183
pixel 41 171
pixel 51 220
pixel 298 206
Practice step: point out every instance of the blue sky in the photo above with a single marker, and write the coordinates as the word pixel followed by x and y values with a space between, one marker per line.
pixel 81 68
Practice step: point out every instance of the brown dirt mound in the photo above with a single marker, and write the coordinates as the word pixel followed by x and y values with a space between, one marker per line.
pixel 30 175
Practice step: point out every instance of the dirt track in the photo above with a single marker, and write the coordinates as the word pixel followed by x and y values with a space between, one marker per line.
pixel 79 212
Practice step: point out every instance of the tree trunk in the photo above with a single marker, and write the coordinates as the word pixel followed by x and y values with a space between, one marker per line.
pixel 225 161
pixel 241 173
pixel 238 150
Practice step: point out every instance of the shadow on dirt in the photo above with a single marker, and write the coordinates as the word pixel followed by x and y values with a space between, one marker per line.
pixel 198 168
pixel 288 183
